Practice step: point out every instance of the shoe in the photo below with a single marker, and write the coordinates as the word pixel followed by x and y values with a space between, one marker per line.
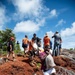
pixel 32 64
pixel 7 60
pixel 14 59
pixel 24 55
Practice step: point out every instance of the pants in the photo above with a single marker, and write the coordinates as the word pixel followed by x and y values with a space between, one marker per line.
pixel 50 71
pixel 56 50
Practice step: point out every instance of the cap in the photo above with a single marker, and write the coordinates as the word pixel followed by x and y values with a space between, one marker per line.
pixel 12 38
pixel 46 34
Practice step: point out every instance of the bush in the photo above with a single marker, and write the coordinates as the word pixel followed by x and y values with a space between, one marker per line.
pixel 71 48
pixel 4 48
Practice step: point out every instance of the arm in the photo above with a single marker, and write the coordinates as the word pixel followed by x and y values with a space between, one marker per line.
pixel 10 47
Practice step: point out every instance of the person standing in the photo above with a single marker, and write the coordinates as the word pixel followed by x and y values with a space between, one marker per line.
pixel 36 40
pixel 57 43
pixel 25 43
pixel 46 41
pixel 10 48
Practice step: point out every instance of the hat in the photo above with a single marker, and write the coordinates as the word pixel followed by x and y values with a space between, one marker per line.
pixel 12 38
pixel 46 34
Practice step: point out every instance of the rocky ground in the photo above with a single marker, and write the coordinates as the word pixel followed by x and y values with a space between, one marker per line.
pixel 65 65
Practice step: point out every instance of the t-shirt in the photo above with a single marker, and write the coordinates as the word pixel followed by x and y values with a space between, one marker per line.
pixel 30 45
pixel 46 41
pixel 10 43
pixel 57 38
pixel 49 62
pixel 36 39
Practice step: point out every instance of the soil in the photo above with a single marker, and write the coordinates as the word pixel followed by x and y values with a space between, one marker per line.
pixel 20 67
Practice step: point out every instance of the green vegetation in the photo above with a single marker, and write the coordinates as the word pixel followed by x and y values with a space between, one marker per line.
pixel 72 48
pixel 4 38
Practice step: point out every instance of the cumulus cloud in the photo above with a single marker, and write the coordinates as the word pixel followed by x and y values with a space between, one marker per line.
pixel 61 22
pixel 53 13
pixel 50 33
pixel 68 31
pixel 27 26
pixel 68 42
pixel 67 35
pixel 28 8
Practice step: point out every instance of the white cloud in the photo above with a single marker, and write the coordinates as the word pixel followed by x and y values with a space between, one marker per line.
pixel 68 42
pixel 27 26
pixel 61 22
pixel 67 35
pixel 68 31
pixel 28 8
pixel 2 17
pixel 53 13
pixel 50 33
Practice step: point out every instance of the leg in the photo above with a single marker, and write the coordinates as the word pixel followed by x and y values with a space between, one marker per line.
pixel 13 55
pixel 8 54
pixel 54 50
pixel 58 50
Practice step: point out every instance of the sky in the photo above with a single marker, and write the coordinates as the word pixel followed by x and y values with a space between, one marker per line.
pixel 26 17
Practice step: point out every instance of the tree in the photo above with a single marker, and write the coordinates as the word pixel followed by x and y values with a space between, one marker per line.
pixel 5 37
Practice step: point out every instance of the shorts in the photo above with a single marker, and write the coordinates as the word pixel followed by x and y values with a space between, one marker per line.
pixel 8 49
pixel 25 45
pixel 32 53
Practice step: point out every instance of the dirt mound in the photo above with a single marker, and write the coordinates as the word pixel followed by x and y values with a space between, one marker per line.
pixel 64 66
pixel 65 62
pixel 20 67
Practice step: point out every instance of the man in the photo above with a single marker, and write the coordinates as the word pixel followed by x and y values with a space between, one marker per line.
pixel 46 41
pixel 36 40
pixel 25 42
pixel 57 43
pixel 49 62
pixel 10 48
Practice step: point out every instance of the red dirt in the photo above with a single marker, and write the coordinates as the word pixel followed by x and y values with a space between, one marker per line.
pixel 22 67
pixel 64 62
pixel 19 67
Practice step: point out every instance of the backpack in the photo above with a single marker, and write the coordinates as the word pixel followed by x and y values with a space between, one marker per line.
pixel 8 44
pixel 42 55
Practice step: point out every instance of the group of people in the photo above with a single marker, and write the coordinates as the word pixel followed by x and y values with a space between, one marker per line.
pixel 33 47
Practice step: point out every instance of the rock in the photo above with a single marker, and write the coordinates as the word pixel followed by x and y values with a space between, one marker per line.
pixel 63 71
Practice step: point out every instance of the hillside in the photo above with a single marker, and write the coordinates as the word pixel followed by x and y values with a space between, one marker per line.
pixel 65 65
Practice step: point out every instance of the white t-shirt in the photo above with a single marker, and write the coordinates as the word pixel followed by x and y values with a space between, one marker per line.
pixel 49 62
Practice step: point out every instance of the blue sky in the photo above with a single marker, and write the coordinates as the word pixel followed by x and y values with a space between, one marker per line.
pixel 39 16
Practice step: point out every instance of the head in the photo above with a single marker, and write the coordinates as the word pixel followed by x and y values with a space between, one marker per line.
pixel 47 52
pixel 56 32
pixel 34 35
pixel 26 36
pixel 11 38
pixel 46 34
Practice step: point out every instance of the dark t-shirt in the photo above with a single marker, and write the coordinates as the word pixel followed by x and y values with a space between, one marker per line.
pixel 37 40
pixel 8 45
pixel 57 38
